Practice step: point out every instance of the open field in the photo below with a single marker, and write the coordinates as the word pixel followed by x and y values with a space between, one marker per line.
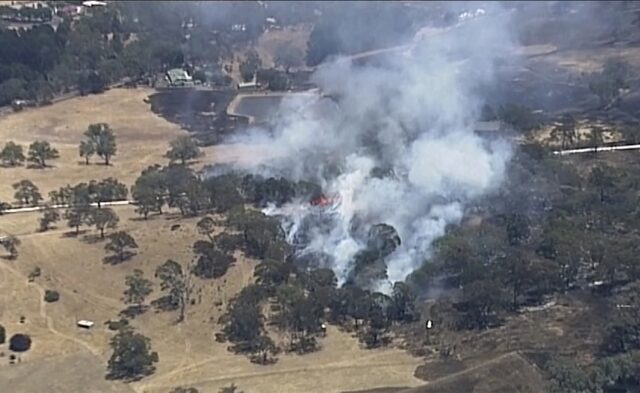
pixel 141 136
pixel 142 139
pixel 91 289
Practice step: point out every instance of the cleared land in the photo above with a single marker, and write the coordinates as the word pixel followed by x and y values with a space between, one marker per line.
pixel 91 289
pixel 142 138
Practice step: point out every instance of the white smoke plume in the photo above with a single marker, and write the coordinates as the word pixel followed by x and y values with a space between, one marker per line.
pixel 411 116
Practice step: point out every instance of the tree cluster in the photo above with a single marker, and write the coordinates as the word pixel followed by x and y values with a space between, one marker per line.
pixel 548 230
pixel 39 153
pixel 100 140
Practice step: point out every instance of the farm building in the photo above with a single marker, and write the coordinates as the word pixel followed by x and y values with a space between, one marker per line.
pixel 179 77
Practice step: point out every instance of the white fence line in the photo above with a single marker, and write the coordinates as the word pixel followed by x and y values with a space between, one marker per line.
pixel 596 149
pixel 62 206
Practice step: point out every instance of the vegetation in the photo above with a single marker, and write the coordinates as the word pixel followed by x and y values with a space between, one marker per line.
pixel 608 83
pixel 39 152
pixel 120 243
pixel 86 150
pixel 51 296
pixel 3 335
pixel 11 244
pixel 183 149
pixel 250 66
pixel 184 390
pixel 20 343
pixel 138 288
pixel 230 389
pixel 132 357
pixel 102 219
pixel 49 216
pixel 26 193
pixel 211 262
pixel 100 140
pixel 177 284
pixel 12 154
pixel 149 191
pixel 35 273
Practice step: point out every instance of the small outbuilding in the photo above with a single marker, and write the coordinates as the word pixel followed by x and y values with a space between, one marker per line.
pixel 85 324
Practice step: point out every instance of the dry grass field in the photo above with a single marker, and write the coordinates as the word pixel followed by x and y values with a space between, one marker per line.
pixel 142 139
pixel 64 358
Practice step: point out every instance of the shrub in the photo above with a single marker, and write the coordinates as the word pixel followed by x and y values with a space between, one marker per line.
pixel 36 272
pixel 19 342
pixel 3 335
pixel 51 296
pixel 117 325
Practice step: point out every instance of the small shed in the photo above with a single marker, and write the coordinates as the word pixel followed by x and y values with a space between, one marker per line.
pixel 85 324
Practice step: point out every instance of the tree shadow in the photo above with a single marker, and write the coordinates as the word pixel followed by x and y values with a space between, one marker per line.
pixel 92 239
pixel 6 166
pixel 74 233
pixel 118 259
pixel 38 166
pixel 8 257
pixel 163 304
pixel 150 217
pixel 132 312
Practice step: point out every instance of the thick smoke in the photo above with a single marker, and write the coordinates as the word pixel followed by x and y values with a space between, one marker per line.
pixel 394 144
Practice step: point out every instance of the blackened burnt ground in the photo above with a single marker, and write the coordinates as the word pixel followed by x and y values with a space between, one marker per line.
pixel 201 112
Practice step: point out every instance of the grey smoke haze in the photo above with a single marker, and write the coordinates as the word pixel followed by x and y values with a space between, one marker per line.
pixel 412 114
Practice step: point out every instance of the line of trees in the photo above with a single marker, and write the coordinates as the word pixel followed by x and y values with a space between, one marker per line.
pixel 39 153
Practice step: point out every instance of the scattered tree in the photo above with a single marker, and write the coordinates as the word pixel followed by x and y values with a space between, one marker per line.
pixel 211 263
pixel 26 193
pixel 40 152
pixel 121 243
pixel 49 216
pixel 12 154
pixel 138 288
pixel 103 140
pixel 149 191
pixel 86 150
pixel 183 148
pixel 4 206
pixel 11 244
pixel 75 217
pixel 174 280
pixel 132 356
pixel 3 335
pixel 230 389
pixel 206 226
pixel 102 219
pixel 107 190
